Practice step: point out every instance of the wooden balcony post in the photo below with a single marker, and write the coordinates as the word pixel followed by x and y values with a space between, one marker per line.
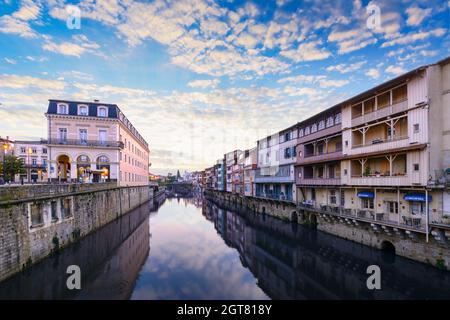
pixel 428 215
pixel 398 204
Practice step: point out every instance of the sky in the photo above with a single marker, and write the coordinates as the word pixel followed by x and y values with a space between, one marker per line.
pixel 200 78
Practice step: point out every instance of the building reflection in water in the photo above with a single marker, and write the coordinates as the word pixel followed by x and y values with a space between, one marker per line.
pixel 294 262
pixel 110 260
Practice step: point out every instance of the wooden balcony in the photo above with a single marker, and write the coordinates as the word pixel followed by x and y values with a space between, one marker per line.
pixel 378 145
pixel 378 180
pixel 324 157
pixel 381 113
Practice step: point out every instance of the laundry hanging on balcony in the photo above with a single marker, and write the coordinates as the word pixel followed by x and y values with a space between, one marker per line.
pixel 366 194
pixel 417 197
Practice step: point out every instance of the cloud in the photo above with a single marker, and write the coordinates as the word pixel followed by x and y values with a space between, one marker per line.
pixel 10 61
pixel 346 68
pixel 351 40
pixel 307 51
pixel 79 46
pixel 416 15
pixel 373 73
pixel 302 78
pixel 415 36
pixel 204 83
pixel 13 25
pixel 20 82
pixel 28 11
pixel 325 83
pixel 395 70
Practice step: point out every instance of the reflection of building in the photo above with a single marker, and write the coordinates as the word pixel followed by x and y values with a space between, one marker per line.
pixel 34 155
pixel 294 262
pixel 94 142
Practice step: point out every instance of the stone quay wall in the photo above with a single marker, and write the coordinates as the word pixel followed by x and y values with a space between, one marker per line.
pixel 38 220
pixel 407 244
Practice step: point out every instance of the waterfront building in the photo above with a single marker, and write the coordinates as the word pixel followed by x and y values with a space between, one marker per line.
pixel 231 159
pixel 221 174
pixel 277 156
pixel 34 155
pixel 7 146
pixel 94 142
pixel 389 161
pixel 238 175
pixel 250 164
pixel 209 174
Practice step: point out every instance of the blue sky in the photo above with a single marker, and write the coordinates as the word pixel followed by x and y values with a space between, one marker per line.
pixel 201 78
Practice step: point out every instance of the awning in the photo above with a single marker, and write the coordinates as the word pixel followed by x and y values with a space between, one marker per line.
pixel 366 194
pixel 417 197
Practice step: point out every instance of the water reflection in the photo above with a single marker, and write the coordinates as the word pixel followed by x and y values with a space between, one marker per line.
pixel 293 262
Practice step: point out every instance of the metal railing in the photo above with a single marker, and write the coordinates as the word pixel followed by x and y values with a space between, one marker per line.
pixel 87 143
pixel 380 140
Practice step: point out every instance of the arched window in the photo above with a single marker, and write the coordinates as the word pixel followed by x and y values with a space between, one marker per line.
pixel 101 112
pixel 307 130
pixel 300 132
pixel 337 118
pixel 314 128
pixel 102 159
pixel 82 110
pixel 330 122
pixel 63 108
pixel 321 124
pixel 83 159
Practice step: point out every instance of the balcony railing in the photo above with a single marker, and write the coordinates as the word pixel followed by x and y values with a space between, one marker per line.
pixel 87 143
pixel 319 181
pixel 274 196
pixel 409 222
pixel 381 113
pixel 380 140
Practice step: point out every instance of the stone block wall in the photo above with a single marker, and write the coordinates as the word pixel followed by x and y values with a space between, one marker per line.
pixel 31 228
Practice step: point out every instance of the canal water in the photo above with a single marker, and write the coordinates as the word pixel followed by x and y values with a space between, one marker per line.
pixel 194 249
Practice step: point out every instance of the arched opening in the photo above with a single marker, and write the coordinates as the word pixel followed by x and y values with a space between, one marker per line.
pixel 104 168
pixel 388 247
pixel 63 163
pixel 263 210
pixel 294 217
pixel 83 169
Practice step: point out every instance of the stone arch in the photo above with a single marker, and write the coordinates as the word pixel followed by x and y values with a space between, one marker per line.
pixel 63 166
pixel 387 246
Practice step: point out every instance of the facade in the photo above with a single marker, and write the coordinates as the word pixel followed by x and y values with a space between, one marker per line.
pixel 389 159
pixel 250 164
pixel 277 155
pixel 231 160
pixel 209 176
pixel 238 174
pixel 34 155
pixel 94 142
pixel 221 175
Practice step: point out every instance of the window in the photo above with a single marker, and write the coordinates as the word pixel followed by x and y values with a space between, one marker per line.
pixel 367 203
pixel 102 112
pixel 416 128
pixel 300 132
pixel 287 153
pixel 321 124
pixel 286 136
pixel 392 206
pixel 66 208
pixel 330 122
pixel 34 161
pixel 102 136
pixel 314 128
pixel 23 149
pixel 103 159
pixel 62 135
pixel 62 108
pixel 307 130
pixel 416 167
pixel 82 110
pixel 37 218
pixel 337 118
pixel 333 198
pixel 346 143
pixel 417 208
pixel 83 136
pixel 54 211
pixel 34 150
pixel 44 162
pixel 44 150
pixel 345 172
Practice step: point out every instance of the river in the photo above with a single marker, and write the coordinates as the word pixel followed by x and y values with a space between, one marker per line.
pixel 193 249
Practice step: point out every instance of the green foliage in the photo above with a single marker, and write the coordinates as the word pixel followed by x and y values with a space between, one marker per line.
pixel 366 171
pixel 440 264
pixel 11 166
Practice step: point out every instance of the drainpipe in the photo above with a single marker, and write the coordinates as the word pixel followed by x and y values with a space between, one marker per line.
pixel 426 210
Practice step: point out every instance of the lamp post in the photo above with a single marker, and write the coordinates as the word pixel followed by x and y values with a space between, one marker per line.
pixel 5 147
pixel 29 152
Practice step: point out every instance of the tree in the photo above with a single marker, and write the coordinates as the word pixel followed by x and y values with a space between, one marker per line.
pixel 13 166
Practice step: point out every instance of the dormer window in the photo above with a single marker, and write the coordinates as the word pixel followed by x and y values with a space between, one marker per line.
pixel 82 110
pixel 101 112
pixel 63 108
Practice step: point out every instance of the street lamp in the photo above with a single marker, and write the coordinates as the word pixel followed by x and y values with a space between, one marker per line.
pixel 5 147
pixel 29 152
